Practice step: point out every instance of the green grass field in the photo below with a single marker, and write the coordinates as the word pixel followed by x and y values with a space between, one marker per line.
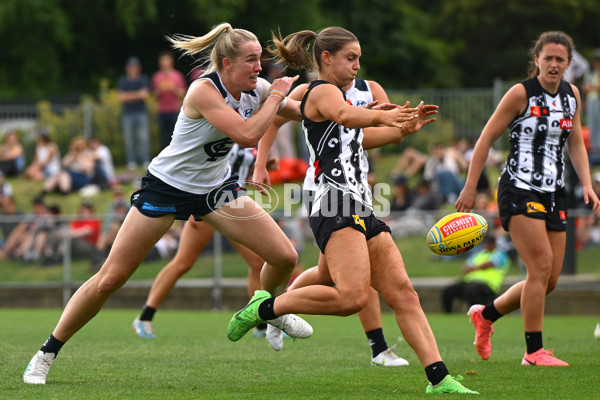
pixel 192 358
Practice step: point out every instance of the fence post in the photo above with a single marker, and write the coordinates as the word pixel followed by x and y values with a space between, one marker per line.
pixel 66 292
pixel 88 112
pixel 217 290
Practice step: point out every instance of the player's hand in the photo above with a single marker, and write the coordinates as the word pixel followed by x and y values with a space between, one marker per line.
pixel 284 84
pixel 465 201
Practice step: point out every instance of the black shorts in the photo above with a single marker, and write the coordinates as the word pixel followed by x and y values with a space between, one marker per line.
pixel 551 207
pixel 156 199
pixel 323 226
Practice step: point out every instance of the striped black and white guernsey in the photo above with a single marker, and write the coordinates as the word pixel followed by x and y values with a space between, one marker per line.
pixel 537 138
pixel 359 95
pixel 336 154
pixel 197 159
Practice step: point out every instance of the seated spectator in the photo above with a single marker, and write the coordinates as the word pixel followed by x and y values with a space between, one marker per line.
pixel 6 190
pixel 12 155
pixel 46 158
pixel 483 274
pixel 104 171
pixel 77 169
pixel 410 162
pixel 402 196
pixel 29 238
pixel 84 231
pixel 425 198
pixel 443 170
pixel 9 219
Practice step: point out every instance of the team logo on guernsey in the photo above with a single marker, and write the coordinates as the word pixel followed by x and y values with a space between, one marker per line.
pixel 533 207
pixel 537 111
pixel 359 221
pixel 218 148
pixel 566 123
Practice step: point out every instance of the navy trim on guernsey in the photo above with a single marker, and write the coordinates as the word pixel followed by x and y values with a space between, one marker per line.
pixel 214 77
pixel 361 85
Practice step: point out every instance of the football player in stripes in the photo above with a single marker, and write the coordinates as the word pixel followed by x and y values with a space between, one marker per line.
pixel 542 114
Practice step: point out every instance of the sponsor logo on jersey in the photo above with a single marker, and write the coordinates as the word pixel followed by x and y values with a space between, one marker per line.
pixel 348 101
pixel 566 123
pixel 359 221
pixel 537 111
pixel 562 214
pixel 533 207
pixel 456 224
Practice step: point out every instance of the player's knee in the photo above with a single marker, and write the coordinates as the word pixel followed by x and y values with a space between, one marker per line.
pixel 110 283
pixel 353 302
pixel 404 297
pixel 551 285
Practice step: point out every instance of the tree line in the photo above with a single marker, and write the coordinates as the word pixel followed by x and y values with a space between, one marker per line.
pixel 65 48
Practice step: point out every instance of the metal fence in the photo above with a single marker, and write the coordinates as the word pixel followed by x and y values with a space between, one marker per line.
pixel 402 223
pixel 467 108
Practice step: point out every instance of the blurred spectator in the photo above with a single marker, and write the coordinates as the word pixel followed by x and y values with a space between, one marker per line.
pixel 6 191
pixel 425 198
pixel 577 69
pixel 443 170
pixel 402 196
pixel 591 90
pixel 29 238
pixel 168 85
pixel 77 169
pixel 134 88
pixel 12 155
pixel 84 231
pixel 104 169
pixel 483 274
pixel 410 162
pixel 46 158
pixel 10 218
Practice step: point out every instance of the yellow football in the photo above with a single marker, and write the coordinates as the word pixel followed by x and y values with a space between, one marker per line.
pixel 456 233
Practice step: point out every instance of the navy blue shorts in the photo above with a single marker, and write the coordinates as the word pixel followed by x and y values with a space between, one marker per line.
pixel 355 215
pixel 156 199
pixel 551 207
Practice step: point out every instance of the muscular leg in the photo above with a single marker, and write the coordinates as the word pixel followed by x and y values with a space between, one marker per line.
pixel 239 221
pixel 388 276
pixel 255 264
pixel 136 237
pixel 349 270
pixel 543 253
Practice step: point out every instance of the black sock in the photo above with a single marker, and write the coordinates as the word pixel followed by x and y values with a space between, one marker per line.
pixel 52 345
pixel 147 313
pixel 490 312
pixel 436 372
pixel 533 341
pixel 262 327
pixel 265 309
pixel 376 341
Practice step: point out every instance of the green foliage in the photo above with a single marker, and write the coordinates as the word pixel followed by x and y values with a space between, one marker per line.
pixel 191 358
pixel 65 47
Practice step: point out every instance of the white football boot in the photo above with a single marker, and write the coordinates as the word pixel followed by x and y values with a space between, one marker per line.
pixel 388 358
pixel 38 368
pixel 293 325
